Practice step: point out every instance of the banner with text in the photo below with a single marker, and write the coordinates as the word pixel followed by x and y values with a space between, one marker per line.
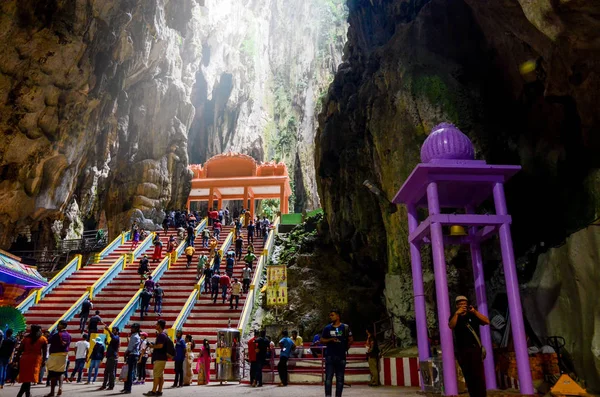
pixel 277 286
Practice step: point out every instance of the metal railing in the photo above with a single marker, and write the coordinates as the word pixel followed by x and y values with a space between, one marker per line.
pixel 119 240
pixel 195 294
pixel 70 313
pixel 251 298
pixel 37 295
pixel 107 277
pixel 131 307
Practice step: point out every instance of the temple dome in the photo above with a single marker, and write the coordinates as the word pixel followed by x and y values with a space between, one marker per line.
pixel 446 142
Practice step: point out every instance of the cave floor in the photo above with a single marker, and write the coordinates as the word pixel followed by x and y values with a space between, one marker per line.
pixel 220 390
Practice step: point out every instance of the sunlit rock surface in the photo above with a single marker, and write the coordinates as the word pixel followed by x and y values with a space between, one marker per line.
pixel 95 108
pixel 264 67
pixel 521 79
pixel 99 99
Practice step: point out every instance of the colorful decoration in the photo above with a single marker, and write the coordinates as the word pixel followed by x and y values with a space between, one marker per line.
pixel 277 294
pixel 12 318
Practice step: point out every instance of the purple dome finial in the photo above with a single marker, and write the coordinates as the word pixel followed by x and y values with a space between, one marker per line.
pixel 446 142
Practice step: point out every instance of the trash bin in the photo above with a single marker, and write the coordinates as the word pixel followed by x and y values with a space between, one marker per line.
pixel 228 355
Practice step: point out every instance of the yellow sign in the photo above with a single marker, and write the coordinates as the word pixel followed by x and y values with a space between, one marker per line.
pixel 277 286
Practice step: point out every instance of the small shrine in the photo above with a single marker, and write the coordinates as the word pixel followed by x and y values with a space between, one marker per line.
pixel 235 176
pixel 450 184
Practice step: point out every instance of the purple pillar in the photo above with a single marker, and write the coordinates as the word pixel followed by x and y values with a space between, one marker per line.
pixel 418 290
pixel 441 287
pixel 514 299
pixel 482 307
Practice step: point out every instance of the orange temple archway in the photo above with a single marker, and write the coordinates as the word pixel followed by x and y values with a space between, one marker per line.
pixel 235 176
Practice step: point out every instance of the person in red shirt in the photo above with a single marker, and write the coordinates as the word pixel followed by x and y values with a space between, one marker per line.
pixel 217 228
pixel 252 358
pixel 224 282
pixel 212 215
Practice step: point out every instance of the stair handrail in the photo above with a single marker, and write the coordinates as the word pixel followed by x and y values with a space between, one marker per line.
pixel 70 313
pixel 143 246
pixel 130 308
pixel 203 223
pixel 107 276
pixel 252 292
pixel 195 294
pixel 37 295
pixel 119 240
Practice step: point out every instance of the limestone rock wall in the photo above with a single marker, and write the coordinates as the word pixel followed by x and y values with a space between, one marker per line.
pixel 94 109
pixel 410 64
pixel 99 98
pixel 264 66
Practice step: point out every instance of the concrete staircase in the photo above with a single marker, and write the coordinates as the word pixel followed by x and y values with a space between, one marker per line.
pixel 48 310
pixel 177 282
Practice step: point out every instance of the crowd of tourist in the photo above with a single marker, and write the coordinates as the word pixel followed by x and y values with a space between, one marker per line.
pixel 27 358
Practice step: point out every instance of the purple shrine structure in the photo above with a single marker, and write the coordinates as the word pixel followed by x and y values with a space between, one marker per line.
pixel 450 178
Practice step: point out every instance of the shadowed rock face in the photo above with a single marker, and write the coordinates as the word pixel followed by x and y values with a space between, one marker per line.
pixel 93 109
pixel 409 65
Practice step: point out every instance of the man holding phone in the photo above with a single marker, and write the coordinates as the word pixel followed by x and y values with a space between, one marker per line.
pixel 468 349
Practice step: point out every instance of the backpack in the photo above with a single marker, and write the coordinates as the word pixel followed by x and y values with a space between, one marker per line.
pixel 170 348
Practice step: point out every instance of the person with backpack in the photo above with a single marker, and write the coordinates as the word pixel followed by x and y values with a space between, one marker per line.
pixel 94 322
pixel 144 267
pixel 145 297
pixel 86 306
pixel 95 359
pixel 337 337
pixel 159 294
pixel 163 348
pixel 229 264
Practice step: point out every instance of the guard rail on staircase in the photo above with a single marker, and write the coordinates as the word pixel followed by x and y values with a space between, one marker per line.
pixel 61 276
pixel 195 294
pixel 253 293
pixel 118 241
pixel 105 279
pixel 130 308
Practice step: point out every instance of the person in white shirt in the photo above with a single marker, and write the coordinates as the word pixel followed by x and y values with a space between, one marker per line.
pixel 81 352
pixel 246 274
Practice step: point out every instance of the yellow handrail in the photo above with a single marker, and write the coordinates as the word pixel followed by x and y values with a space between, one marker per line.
pixel 195 294
pixel 249 304
pixel 132 301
